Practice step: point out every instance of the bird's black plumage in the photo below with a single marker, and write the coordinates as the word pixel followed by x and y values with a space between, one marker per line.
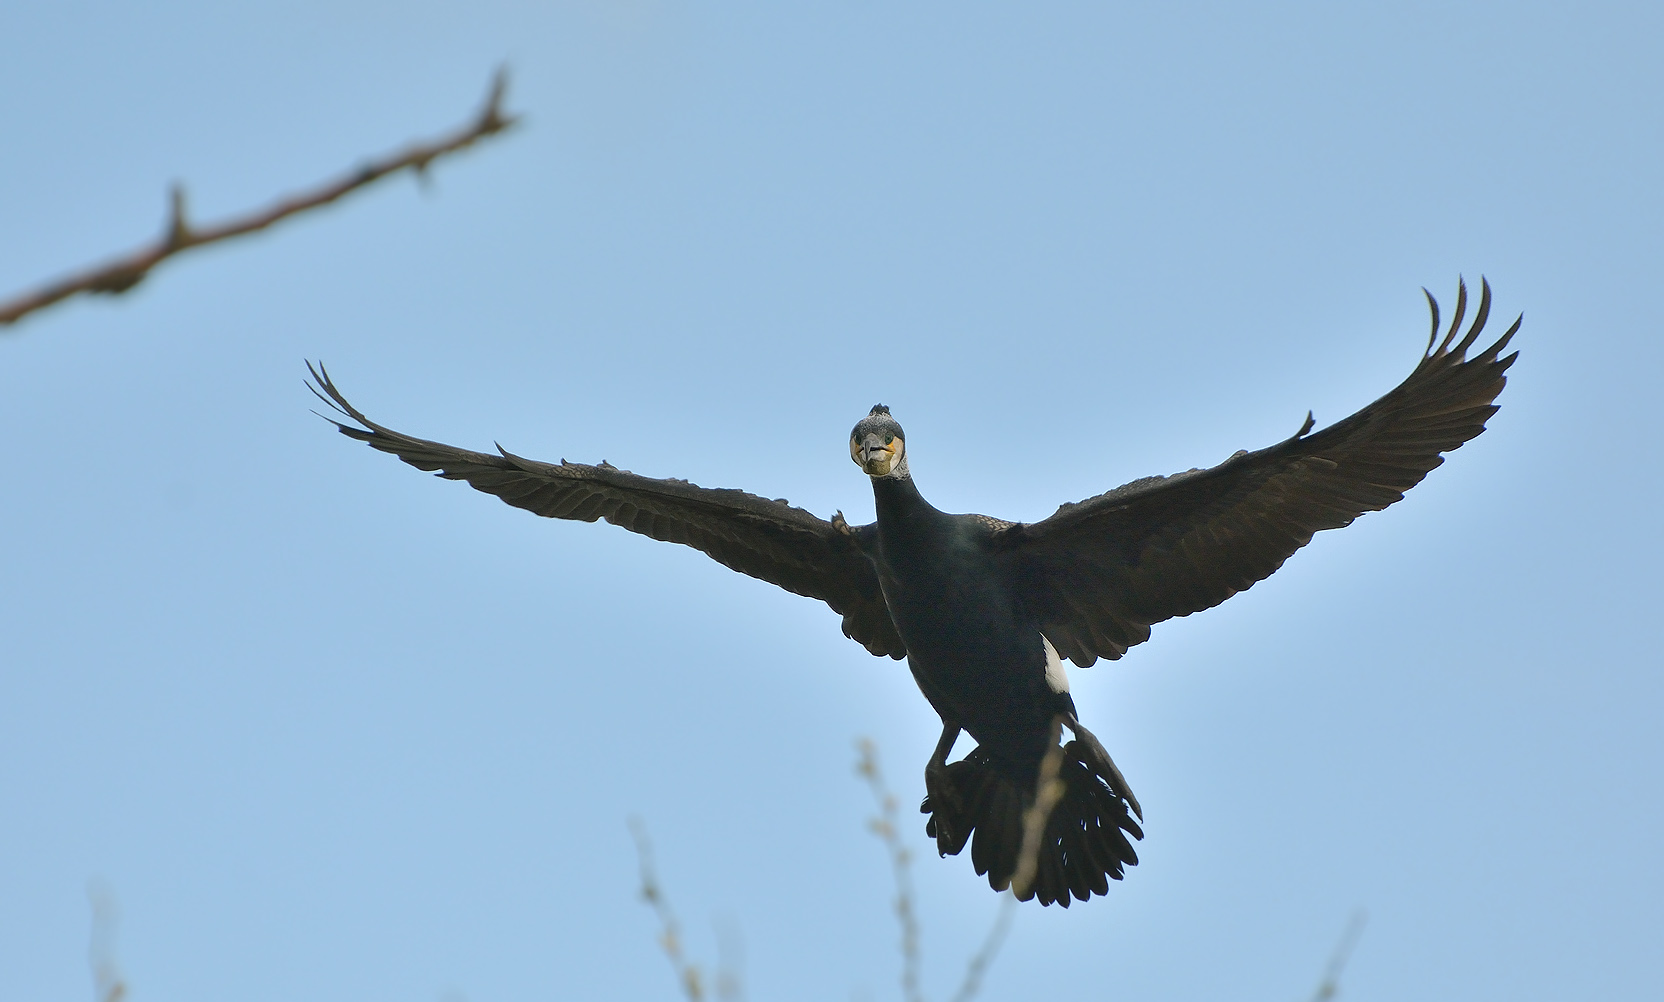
pixel 984 610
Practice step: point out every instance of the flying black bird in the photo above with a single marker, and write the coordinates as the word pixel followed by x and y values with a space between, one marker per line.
pixel 985 610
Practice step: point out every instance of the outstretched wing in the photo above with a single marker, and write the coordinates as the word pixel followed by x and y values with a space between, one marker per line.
pixel 771 540
pixel 1097 574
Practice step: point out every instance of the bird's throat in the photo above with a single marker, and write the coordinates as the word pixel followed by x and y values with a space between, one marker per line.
pixel 899 504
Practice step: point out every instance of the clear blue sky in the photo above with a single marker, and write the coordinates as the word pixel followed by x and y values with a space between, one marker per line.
pixel 332 730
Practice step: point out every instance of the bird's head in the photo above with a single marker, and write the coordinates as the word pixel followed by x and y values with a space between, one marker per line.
pixel 878 446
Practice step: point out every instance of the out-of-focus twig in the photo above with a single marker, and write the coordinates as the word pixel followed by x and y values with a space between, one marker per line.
pixel 729 987
pixel 107 983
pixel 1329 987
pixel 886 828
pixel 179 234
pixel 688 974
pixel 730 960
pixel 1047 792
pixel 978 965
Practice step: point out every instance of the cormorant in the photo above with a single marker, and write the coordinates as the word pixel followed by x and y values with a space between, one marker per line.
pixel 985 610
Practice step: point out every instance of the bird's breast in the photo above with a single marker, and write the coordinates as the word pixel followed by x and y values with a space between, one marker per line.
pixel 949 602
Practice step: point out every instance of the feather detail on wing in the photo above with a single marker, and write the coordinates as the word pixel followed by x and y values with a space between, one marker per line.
pixel 1097 574
pixel 765 539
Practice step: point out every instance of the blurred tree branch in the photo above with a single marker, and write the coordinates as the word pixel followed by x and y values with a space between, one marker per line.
pixel 886 827
pixel 691 979
pixel 123 273
pixel 1329 987
pixel 108 984
pixel 1048 791
pixel 688 974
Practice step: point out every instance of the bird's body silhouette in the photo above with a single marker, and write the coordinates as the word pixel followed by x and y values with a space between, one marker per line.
pixel 985 610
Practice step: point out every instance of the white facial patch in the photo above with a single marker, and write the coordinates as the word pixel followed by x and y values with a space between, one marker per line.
pixel 898 466
pixel 880 459
pixel 1056 678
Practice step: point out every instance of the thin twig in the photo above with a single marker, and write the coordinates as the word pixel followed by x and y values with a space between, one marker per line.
pixel 978 965
pixel 730 960
pixel 1048 791
pixel 886 828
pixel 670 931
pixel 107 983
pixel 1330 986
pixel 179 234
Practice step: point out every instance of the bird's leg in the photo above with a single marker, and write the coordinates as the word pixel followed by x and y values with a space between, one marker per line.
pixel 944 802
pixel 935 771
pixel 1098 760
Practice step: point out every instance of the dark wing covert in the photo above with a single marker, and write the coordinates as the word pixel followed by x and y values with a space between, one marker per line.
pixel 1097 574
pixel 770 540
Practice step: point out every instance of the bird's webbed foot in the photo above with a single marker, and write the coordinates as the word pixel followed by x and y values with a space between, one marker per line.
pixel 1094 757
pixel 942 799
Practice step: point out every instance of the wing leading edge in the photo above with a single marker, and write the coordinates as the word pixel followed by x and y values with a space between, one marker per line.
pixel 769 540
pixel 1099 573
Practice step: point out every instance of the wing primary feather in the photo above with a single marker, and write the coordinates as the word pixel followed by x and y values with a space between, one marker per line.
pixel 1100 572
pixel 335 400
pixel 1456 318
pixel 765 539
pixel 1479 318
pixel 332 405
pixel 1433 307
pixel 1489 354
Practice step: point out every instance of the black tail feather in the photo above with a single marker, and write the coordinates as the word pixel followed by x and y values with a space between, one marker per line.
pixel 1085 844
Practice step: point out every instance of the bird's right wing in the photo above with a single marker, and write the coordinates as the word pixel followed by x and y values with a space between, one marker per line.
pixel 770 540
pixel 1097 574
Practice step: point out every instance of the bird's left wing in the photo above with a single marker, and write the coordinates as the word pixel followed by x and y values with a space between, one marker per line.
pixel 770 540
pixel 1098 574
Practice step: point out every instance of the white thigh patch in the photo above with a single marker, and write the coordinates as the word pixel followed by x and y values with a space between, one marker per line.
pixel 1056 678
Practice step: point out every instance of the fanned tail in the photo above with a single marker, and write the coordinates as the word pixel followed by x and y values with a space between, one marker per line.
pixel 1085 844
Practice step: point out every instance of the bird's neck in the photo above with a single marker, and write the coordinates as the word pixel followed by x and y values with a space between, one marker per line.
pixel 899 504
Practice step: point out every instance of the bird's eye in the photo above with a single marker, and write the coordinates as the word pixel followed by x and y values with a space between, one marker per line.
pixel 888 439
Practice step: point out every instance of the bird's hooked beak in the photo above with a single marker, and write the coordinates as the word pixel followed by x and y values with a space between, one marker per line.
pixel 875 456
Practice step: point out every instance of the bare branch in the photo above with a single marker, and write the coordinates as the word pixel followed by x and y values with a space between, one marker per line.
pixel 1330 986
pixel 730 960
pixel 108 984
pixel 123 273
pixel 670 935
pixel 978 965
pixel 886 828
pixel 1047 792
